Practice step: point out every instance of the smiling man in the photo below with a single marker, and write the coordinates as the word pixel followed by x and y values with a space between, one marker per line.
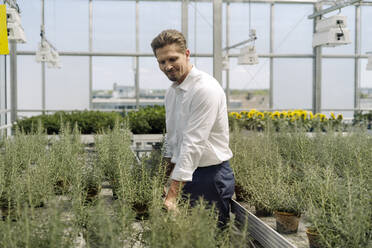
pixel 197 140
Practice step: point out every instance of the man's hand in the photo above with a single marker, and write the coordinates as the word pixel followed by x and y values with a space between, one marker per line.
pixel 171 198
pixel 169 166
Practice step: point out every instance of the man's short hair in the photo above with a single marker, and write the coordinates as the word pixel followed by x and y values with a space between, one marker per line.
pixel 168 37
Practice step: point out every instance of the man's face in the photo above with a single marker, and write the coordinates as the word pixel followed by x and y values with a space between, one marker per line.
pixel 175 64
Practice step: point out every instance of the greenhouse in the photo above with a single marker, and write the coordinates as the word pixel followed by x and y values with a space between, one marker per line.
pixel 186 123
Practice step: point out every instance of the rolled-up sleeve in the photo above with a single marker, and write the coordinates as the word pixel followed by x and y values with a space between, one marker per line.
pixel 167 149
pixel 203 113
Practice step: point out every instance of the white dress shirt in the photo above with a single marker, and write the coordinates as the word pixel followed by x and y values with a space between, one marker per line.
pixel 197 124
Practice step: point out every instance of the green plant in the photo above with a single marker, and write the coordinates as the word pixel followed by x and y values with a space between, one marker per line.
pixel 148 120
pixel 88 122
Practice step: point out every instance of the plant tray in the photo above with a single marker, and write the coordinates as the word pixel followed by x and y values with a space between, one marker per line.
pixel 261 232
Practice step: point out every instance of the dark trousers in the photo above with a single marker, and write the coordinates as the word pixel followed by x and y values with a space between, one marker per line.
pixel 216 184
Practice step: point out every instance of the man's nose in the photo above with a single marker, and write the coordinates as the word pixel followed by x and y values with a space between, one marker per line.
pixel 168 67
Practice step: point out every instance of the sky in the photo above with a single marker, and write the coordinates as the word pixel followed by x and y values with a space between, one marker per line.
pixel 114 31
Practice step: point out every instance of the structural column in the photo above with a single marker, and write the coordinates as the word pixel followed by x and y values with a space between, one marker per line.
pixel 13 82
pixel 90 56
pixel 185 19
pixel 43 80
pixel 317 69
pixel 136 74
pixel 217 40
pixel 271 94
pixel 357 58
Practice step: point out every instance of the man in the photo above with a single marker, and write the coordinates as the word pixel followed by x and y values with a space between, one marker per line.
pixel 197 140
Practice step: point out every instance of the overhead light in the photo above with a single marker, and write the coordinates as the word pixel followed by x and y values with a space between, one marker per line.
pixel 47 53
pixel 15 29
pixel 331 32
pixel 369 63
pixel 248 56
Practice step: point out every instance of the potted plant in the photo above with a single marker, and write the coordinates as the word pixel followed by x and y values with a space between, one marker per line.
pixel 287 201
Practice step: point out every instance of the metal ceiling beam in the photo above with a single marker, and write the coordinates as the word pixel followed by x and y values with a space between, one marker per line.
pixel 203 55
pixel 333 8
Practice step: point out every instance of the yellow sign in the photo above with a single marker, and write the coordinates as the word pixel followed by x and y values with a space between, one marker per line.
pixel 4 48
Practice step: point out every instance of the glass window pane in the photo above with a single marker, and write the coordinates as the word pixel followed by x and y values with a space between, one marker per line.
pixel 293 81
pixel 29 83
pixel 31 20
pixel 110 70
pixel 68 87
pixel 366 29
pixel 151 77
pixel 67 24
pixel 113 83
pixel 349 12
pixel 114 26
pixel 249 78
pixel 337 87
pixel 200 27
pixel 260 20
pixel 153 20
pixel 292 29
pixel 365 85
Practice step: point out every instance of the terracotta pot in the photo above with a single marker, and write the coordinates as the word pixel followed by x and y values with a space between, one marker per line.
pixel 286 223
pixel 314 238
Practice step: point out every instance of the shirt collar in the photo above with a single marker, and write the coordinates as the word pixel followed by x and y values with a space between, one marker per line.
pixel 187 82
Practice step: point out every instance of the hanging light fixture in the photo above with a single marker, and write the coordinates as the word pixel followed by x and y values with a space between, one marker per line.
pixel 47 53
pixel 14 26
pixel 331 32
pixel 248 55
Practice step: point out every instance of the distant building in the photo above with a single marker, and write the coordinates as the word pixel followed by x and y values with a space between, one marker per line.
pixel 123 97
pixel 124 103
pixel 123 91
pixel 366 91
pixel 130 103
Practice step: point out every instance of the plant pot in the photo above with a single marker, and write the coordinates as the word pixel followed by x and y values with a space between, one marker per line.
pixel 241 194
pixel 60 187
pixel 286 223
pixel 142 210
pixel 261 211
pixel 92 194
pixel 314 238
pixel 8 213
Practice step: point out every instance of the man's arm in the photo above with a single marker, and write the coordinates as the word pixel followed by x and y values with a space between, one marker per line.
pixel 173 192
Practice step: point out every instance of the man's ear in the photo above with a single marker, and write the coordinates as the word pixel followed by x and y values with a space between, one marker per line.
pixel 187 53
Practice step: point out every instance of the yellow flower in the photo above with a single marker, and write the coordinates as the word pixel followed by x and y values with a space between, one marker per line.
pixel 260 115
pixel 311 115
pixel 275 115
pixel 304 115
pixel 244 113
pixel 253 111
pixel 340 117
pixel 283 114
pixel 238 116
pixel 333 116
